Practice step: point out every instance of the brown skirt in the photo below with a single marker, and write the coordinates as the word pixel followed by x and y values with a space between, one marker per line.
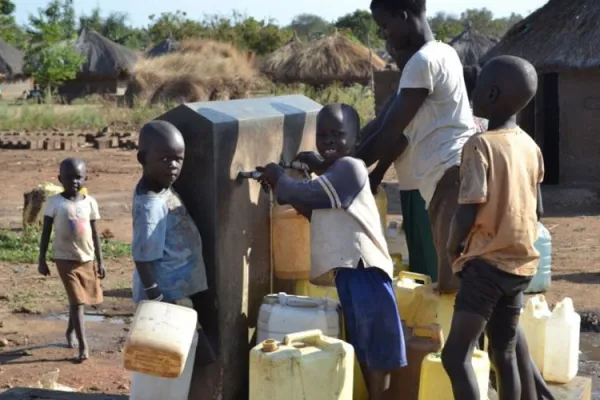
pixel 81 282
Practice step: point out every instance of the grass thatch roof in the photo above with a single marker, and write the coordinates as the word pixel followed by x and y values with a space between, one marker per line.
pixel 330 59
pixel 271 64
pixel 561 34
pixel 472 45
pixel 103 57
pixel 165 46
pixel 201 70
pixel 11 60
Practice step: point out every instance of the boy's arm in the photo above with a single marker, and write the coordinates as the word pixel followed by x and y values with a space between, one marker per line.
pixel 336 188
pixel 44 241
pixel 371 128
pixel 473 192
pixel 389 142
pixel 98 250
pixel 149 235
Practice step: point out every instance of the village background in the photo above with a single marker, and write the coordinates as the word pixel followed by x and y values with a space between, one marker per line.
pixel 100 79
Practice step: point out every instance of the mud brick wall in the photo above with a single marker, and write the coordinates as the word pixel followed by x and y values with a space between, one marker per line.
pixel 223 138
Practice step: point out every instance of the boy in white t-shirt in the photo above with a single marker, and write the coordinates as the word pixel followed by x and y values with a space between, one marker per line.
pixel 76 245
pixel 430 118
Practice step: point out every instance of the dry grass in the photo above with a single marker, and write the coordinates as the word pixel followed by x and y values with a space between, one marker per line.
pixel 328 60
pixel 272 65
pixel 201 70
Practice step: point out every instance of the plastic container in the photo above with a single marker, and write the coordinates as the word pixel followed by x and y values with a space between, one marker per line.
pixel 381 201
pixel 305 288
pixel 429 307
pixel 404 287
pixel 306 365
pixel 291 243
pixel 534 319
pixel 543 277
pixel 160 338
pixel 420 343
pixel 396 241
pixel 148 387
pixel 435 383
pixel 561 355
pixel 282 314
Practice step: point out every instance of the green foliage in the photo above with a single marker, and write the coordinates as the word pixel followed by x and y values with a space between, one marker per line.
pixel 50 66
pixel 308 26
pixel 361 25
pixel 7 7
pixel 446 26
pixel 173 24
pixel 54 23
pixel 24 247
pixel 114 27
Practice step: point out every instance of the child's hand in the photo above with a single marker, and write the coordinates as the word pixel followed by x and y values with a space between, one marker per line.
pixel 43 268
pixel 313 160
pixel 271 174
pixel 101 271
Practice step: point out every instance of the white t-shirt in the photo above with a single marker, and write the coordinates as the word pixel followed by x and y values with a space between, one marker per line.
pixel 444 122
pixel 72 229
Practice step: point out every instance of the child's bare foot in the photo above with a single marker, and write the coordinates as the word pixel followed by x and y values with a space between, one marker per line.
pixel 71 340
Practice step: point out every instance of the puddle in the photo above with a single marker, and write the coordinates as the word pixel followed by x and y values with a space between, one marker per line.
pixel 88 318
pixel 589 360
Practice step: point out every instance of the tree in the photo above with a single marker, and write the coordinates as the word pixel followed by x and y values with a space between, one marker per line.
pixel 51 58
pixel 10 32
pixel 173 24
pixel 115 28
pixel 445 26
pixel 309 25
pixel 361 25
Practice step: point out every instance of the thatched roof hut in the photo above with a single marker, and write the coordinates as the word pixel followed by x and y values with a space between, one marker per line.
pixel 561 34
pixel 11 61
pixel 562 39
pixel 331 59
pixel 272 63
pixel 472 45
pixel 103 57
pixel 163 47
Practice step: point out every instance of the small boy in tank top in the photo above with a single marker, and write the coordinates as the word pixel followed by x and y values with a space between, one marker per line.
pixel 348 248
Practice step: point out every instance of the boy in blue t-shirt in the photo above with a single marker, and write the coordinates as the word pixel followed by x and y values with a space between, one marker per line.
pixel 348 247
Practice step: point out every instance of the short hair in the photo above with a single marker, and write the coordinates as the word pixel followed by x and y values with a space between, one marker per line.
pixel 416 7
pixel 351 113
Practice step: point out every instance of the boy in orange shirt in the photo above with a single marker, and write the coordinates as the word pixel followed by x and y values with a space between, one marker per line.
pixel 493 232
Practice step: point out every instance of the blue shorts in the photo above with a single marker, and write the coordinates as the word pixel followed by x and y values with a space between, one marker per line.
pixel 371 317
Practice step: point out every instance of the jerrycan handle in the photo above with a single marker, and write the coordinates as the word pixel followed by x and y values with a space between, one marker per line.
pixel 295 337
pixel 298 302
pixel 433 332
pixel 426 279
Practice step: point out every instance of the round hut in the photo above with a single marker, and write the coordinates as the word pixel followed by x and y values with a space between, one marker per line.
pixel 561 40
pixel 272 63
pixel 472 45
pixel 329 60
pixel 12 75
pixel 163 47
pixel 106 68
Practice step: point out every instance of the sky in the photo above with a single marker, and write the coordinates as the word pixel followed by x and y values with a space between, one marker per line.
pixel 283 11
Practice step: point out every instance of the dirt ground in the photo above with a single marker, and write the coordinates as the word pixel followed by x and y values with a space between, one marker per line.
pixel 35 342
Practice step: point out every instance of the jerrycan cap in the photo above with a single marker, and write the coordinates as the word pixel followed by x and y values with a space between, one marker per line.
pixel 269 346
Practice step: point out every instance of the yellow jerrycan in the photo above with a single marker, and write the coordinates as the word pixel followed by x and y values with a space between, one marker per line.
pixel 306 365
pixel 404 287
pixel 435 383
pixel 291 243
pixel 429 307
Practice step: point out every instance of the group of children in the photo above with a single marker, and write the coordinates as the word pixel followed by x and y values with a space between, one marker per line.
pixel 482 191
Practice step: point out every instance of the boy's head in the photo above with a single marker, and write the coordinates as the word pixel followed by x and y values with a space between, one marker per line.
pixel 338 126
pixel 400 21
pixel 504 87
pixel 72 175
pixel 161 153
